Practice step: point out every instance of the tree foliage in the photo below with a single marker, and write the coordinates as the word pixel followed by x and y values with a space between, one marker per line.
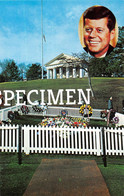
pixel 10 72
pixel 2 78
pixel 34 72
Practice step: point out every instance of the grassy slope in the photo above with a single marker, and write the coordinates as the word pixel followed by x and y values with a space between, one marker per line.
pixel 103 89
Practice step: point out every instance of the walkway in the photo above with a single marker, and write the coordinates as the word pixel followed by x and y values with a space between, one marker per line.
pixel 67 177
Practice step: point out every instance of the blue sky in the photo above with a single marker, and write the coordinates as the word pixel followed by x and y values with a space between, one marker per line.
pixel 20 27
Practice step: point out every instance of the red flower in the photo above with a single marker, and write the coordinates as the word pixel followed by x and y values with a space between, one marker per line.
pixel 75 123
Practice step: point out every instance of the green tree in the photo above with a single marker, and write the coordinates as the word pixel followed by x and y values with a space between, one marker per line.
pixel 11 71
pixel 34 72
pixel 2 78
pixel 118 53
pixel 3 64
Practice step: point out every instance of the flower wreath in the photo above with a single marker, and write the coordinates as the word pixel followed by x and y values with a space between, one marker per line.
pixel 115 120
pixel 24 109
pixel 86 110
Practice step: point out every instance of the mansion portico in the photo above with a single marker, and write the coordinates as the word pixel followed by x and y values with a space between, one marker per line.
pixel 65 66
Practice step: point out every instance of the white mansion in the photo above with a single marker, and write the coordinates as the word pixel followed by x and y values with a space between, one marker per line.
pixel 65 66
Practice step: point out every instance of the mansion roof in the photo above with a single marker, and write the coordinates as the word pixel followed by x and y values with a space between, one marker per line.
pixel 64 60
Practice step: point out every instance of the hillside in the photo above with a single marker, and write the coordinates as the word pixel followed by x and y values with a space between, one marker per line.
pixel 103 89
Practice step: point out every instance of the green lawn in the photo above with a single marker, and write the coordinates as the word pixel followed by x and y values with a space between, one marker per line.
pixel 15 178
pixel 27 120
pixel 103 89
pixel 114 177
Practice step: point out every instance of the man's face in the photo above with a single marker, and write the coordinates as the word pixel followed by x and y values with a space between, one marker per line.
pixel 97 36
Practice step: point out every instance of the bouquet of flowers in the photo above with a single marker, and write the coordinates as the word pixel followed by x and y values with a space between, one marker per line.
pixel 67 121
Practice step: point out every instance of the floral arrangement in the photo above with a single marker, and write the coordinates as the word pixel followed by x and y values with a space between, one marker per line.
pixel 65 121
pixel 24 109
pixel 64 112
pixel 86 110
pixel 115 120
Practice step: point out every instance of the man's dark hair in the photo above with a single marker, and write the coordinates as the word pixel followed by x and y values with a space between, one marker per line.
pixel 98 12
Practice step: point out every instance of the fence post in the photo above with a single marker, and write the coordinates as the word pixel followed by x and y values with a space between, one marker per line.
pixel 104 150
pixel 26 139
pixel 98 140
pixel 20 149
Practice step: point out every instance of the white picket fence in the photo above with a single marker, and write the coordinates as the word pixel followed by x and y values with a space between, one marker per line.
pixel 61 140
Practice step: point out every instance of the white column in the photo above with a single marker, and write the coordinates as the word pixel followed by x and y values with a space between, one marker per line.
pixel 81 73
pixel 48 74
pixel 67 72
pixel 54 73
pixel 61 72
pixel 74 72
pixel 51 74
